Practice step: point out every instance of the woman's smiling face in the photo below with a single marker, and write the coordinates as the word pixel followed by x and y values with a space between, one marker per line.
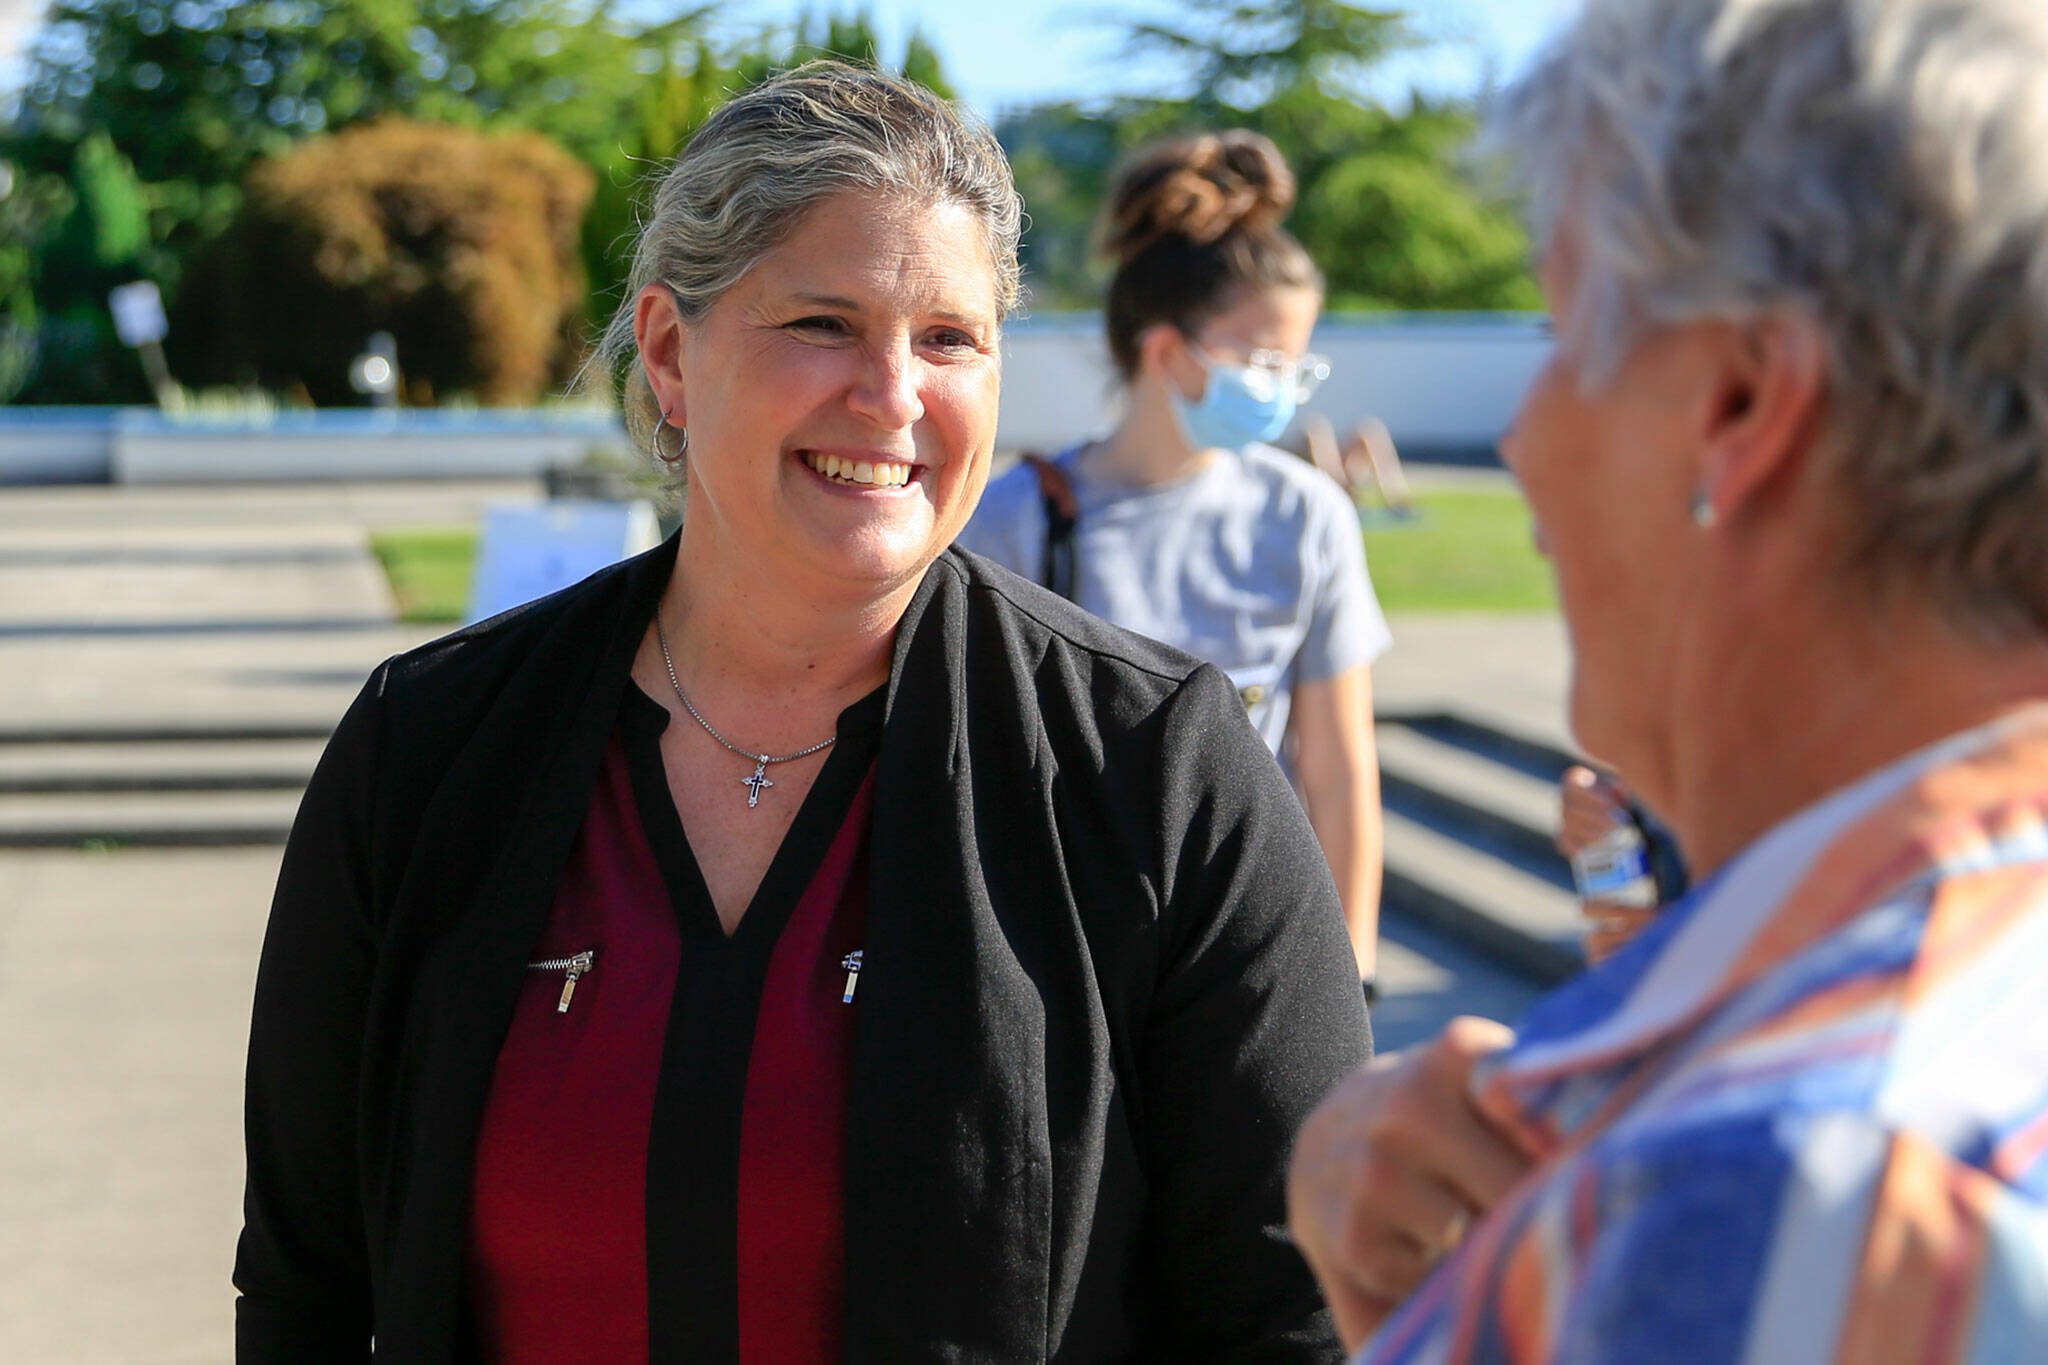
pixel 841 398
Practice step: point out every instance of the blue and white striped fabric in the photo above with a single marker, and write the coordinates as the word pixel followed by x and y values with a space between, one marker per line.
pixel 1805 1117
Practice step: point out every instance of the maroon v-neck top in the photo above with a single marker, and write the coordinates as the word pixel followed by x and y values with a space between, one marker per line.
pixel 660 1164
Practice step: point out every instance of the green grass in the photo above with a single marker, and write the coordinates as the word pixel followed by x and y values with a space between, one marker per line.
pixel 1469 551
pixel 430 568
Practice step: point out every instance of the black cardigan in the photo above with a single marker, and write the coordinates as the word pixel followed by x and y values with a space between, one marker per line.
pixel 1106 976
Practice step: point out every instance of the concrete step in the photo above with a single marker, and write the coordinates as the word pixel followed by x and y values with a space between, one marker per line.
pixel 172 730
pixel 1490 904
pixel 1527 753
pixel 1501 810
pixel 161 766
pixel 146 820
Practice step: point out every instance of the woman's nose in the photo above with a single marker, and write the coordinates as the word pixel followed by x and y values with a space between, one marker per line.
pixel 886 393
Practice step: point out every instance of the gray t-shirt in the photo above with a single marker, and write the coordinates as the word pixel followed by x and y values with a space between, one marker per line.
pixel 1253 562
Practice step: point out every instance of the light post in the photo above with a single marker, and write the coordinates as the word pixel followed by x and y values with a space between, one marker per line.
pixel 375 371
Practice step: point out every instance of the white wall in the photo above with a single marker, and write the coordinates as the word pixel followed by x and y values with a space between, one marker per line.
pixel 1445 383
pixel 356 443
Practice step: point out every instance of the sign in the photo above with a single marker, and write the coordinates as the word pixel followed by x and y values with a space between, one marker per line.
pixel 531 551
pixel 139 314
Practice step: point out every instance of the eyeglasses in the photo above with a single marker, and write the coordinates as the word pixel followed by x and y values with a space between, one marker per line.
pixel 1276 371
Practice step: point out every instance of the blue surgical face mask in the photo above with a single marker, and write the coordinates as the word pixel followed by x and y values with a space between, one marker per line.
pixel 1240 406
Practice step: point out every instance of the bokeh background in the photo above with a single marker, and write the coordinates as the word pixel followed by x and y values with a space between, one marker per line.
pixel 465 172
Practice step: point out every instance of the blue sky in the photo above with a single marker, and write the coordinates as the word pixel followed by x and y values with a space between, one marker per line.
pixel 1025 51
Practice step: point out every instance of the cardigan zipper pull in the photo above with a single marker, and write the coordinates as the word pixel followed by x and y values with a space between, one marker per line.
pixel 578 965
pixel 572 968
pixel 852 965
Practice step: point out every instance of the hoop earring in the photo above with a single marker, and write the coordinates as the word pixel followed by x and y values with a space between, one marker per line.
pixel 682 440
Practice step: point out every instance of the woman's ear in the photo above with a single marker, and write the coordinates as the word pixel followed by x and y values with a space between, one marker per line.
pixel 663 338
pixel 1770 409
pixel 1164 351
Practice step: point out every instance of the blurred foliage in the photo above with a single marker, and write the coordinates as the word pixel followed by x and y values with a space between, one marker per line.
pixel 1242 53
pixel 1397 231
pixel 128 147
pixel 462 244
pixel 921 63
pixel 142 124
pixel 90 232
pixel 1387 206
pixel 198 89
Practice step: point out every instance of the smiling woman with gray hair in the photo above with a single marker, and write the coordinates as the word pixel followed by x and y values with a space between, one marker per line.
pixel 802 941
pixel 1790 464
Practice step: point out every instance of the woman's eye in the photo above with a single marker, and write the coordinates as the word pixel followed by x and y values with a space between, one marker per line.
pixel 828 326
pixel 952 339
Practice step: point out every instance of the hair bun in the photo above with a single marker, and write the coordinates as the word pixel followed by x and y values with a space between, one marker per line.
pixel 1200 188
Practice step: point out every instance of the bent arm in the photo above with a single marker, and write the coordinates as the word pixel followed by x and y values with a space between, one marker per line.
pixel 302 1267
pixel 1255 1015
pixel 1340 784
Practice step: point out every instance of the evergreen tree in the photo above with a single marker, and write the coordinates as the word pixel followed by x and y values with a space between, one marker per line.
pixel 921 64
pixel 1386 206
pixel 1243 52
pixel 101 241
pixel 196 90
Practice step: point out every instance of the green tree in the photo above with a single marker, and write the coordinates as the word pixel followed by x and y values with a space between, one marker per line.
pixel 193 93
pixel 102 239
pixel 921 64
pixel 851 37
pixel 461 244
pixel 1243 52
pixel 671 106
pixel 198 89
pixel 1395 231
pixel 676 102
pixel 93 236
pixel 27 206
pixel 1386 205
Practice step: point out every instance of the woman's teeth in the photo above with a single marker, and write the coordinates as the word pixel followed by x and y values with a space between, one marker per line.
pixel 879 474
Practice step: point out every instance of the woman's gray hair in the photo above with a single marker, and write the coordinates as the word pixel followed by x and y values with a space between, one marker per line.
pixel 748 176
pixel 1879 166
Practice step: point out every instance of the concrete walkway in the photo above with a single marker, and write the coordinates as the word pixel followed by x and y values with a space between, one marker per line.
pixel 126 608
pixel 1511 671
pixel 125 981
pixel 125 976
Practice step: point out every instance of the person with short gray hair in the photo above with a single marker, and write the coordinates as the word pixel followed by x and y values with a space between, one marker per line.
pixel 803 941
pixel 1789 461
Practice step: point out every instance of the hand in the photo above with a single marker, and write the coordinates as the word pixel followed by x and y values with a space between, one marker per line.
pixel 1592 805
pixel 1391 1168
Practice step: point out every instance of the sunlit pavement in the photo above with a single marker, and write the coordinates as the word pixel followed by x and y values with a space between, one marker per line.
pixel 1427 979
pixel 125 976
pixel 124 1007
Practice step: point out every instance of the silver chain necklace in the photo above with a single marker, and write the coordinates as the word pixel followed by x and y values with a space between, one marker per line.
pixel 759 780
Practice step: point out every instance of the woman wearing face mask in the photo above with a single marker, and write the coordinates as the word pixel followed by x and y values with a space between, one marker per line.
pixel 1182 523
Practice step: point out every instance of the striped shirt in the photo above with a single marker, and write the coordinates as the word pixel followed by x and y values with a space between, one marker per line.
pixel 1805 1116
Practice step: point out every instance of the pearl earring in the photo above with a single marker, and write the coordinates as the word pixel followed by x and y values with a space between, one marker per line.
pixel 1703 514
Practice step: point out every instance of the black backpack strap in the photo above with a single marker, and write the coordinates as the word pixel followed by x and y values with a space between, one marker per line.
pixel 1062 514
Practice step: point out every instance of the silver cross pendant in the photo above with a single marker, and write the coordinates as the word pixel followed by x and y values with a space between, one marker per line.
pixel 756 783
